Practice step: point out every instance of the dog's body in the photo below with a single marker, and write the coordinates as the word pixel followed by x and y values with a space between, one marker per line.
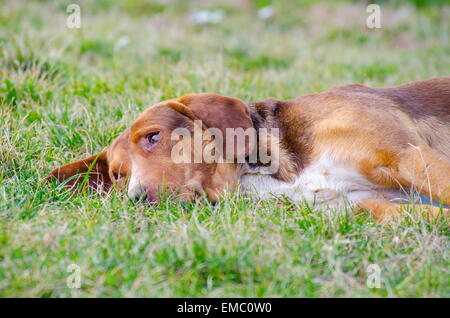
pixel 349 144
pixel 353 142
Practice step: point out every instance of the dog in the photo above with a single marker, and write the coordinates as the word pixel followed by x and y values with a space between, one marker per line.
pixel 351 144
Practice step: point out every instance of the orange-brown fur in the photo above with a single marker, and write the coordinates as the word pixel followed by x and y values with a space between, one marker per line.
pixel 396 137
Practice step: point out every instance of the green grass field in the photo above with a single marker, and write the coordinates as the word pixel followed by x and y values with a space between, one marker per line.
pixel 67 93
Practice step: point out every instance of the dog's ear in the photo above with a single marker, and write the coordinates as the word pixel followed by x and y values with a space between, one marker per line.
pixel 221 112
pixel 93 169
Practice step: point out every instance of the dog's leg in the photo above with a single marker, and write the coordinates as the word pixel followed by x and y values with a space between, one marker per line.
pixel 384 210
pixel 426 171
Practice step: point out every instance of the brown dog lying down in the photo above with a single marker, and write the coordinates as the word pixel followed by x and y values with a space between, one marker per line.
pixel 354 144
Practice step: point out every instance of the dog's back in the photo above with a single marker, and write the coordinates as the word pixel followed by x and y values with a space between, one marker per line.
pixel 426 103
pixel 423 99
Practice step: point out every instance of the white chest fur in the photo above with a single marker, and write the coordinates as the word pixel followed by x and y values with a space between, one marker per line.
pixel 325 181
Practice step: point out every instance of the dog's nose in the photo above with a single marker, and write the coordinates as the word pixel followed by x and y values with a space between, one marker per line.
pixel 150 198
pixel 135 192
pixel 141 193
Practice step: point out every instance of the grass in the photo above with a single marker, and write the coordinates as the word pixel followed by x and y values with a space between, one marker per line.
pixel 66 93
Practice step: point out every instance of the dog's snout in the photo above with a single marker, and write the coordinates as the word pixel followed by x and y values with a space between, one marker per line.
pixel 150 198
pixel 139 193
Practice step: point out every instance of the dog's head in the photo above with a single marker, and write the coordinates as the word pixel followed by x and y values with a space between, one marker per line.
pixel 160 151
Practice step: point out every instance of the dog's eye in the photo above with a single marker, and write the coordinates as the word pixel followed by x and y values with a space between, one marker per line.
pixel 153 138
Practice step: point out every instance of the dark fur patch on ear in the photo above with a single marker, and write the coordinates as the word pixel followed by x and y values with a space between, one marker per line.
pixel 293 147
